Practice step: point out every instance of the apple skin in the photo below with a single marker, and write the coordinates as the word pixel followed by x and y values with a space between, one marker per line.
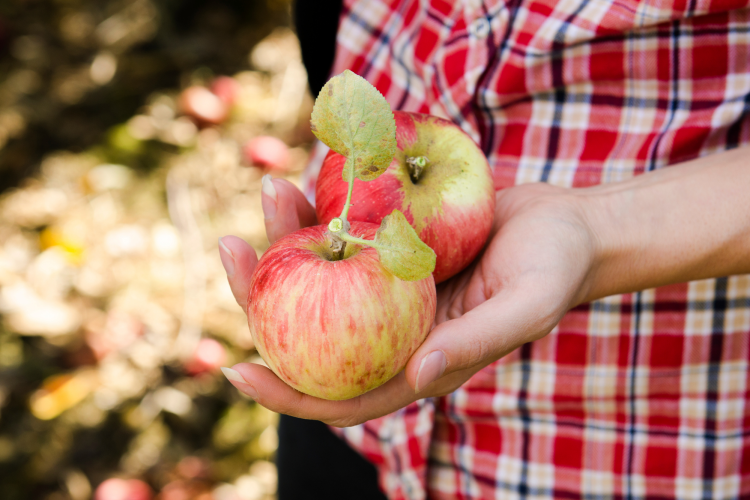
pixel 335 329
pixel 452 205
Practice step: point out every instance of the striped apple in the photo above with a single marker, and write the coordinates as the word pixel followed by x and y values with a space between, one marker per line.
pixel 335 329
pixel 439 179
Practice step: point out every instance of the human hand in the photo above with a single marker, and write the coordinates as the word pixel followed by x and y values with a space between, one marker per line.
pixel 533 270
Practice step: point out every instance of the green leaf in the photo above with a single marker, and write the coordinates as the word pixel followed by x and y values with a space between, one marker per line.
pixel 401 251
pixel 355 120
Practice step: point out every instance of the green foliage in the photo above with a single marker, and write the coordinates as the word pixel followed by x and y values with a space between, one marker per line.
pixel 401 251
pixel 355 120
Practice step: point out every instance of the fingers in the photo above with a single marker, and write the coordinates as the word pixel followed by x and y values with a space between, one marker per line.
pixel 267 389
pixel 478 337
pixel 285 208
pixel 239 261
pixel 461 294
pixel 454 345
pixel 261 384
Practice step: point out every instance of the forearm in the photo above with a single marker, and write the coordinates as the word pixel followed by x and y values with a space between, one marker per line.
pixel 678 224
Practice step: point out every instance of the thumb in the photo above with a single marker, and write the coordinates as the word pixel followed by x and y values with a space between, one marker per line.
pixel 285 208
pixel 477 338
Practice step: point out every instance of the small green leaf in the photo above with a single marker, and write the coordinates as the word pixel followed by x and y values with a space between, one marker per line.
pixel 401 251
pixel 355 120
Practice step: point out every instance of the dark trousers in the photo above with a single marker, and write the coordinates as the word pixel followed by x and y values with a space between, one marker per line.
pixel 315 464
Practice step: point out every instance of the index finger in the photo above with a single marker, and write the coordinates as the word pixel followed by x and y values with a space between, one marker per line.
pixel 285 208
pixel 261 384
pixel 239 261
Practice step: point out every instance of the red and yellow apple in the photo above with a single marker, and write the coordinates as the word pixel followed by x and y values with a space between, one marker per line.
pixel 450 203
pixel 335 329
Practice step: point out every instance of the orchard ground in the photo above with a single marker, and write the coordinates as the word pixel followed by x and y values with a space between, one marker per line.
pixel 114 308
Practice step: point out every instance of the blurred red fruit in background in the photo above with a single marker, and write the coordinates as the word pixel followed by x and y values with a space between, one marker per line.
pixel 123 489
pixel 226 88
pixel 208 356
pixel 267 152
pixel 119 331
pixel 192 467
pixel 203 106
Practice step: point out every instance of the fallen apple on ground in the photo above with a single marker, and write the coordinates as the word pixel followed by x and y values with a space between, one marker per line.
pixel 338 310
pixel 123 489
pixel 439 179
pixel 203 106
pixel 226 88
pixel 209 355
pixel 268 152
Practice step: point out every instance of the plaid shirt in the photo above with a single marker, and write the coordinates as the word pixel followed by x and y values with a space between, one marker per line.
pixel 635 396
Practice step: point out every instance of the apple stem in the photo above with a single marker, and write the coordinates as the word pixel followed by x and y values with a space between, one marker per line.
pixel 337 229
pixel 416 166
pixel 347 204
pixel 360 241
pixel 339 248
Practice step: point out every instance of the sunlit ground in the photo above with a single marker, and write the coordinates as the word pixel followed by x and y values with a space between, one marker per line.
pixel 115 309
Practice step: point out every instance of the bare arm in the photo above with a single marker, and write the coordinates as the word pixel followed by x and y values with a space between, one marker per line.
pixel 551 249
pixel 678 224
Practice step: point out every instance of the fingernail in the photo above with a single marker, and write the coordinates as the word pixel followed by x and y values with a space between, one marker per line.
pixel 227 259
pixel 234 376
pixel 268 197
pixel 431 369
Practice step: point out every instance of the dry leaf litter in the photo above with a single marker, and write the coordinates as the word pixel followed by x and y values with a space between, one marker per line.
pixel 115 309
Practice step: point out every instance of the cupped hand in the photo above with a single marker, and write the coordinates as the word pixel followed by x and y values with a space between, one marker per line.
pixel 534 268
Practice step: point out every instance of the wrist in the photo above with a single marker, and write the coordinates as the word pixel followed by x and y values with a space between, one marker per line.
pixel 572 222
pixel 682 223
pixel 614 243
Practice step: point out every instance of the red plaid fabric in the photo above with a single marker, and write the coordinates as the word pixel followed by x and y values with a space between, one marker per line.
pixel 637 396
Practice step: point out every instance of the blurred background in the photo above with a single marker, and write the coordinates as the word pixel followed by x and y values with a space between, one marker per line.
pixel 133 134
